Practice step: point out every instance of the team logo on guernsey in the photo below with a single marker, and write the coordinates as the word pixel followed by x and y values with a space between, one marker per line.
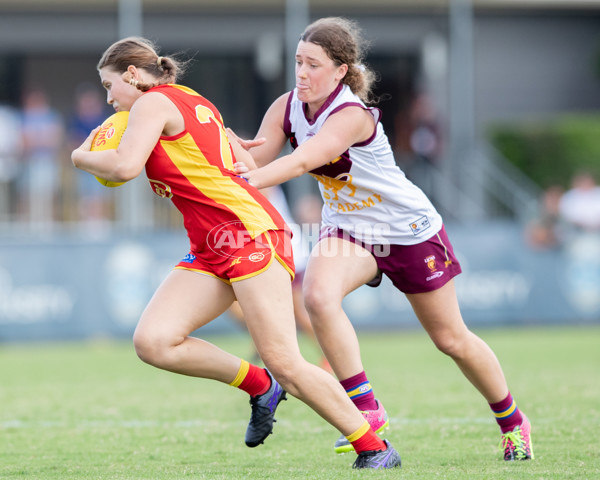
pixel 432 266
pixel 420 225
pixel 160 188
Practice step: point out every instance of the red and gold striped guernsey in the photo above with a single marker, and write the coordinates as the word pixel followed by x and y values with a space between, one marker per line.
pixel 195 170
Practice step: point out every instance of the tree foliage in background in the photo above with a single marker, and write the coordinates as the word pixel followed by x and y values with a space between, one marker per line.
pixel 551 151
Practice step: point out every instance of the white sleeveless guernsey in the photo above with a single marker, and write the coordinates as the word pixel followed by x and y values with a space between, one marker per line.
pixel 364 192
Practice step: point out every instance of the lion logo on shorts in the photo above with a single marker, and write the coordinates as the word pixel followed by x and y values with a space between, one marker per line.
pixel 431 265
pixel 430 261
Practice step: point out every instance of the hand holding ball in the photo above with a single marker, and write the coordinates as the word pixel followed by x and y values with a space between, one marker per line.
pixel 108 138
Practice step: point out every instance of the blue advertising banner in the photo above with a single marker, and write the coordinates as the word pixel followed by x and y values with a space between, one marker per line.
pixel 74 288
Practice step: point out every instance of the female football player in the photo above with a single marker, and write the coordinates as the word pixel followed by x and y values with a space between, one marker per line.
pixel 239 249
pixel 375 221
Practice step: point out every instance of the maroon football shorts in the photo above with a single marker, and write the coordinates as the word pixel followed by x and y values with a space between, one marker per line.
pixel 419 268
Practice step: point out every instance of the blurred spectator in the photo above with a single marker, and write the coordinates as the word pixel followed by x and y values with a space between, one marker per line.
pixel 10 152
pixel 580 206
pixel 425 139
pixel 545 231
pixel 43 136
pixel 417 131
pixel 307 209
pixel 419 142
pixel 93 199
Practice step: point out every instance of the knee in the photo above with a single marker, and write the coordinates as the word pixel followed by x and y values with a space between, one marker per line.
pixel 449 343
pixel 284 377
pixel 150 347
pixel 312 299
pixel 285 370
pixel 318 301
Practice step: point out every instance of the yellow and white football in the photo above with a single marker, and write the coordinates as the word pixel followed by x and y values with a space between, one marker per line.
pixel 108 138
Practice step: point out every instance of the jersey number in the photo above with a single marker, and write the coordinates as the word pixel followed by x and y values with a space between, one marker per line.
pixel 206 115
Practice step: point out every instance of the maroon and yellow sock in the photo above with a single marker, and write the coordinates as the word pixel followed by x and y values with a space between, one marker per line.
pixel 360 392
pixel 365 439
pixel 507 414
pixel 251 379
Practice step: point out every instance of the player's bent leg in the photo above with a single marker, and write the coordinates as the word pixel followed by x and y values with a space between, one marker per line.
pixel 439 313
pixel 336 268
pixel 271 324
pixel 184 302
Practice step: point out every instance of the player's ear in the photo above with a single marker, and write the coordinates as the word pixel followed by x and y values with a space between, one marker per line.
pixel 341 71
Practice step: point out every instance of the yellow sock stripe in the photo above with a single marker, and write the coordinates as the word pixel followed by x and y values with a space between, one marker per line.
pixel 242 372
pixel 364 428
pixel 508 412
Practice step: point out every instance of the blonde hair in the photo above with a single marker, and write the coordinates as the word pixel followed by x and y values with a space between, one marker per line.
pixel 141 53
pixel 342 40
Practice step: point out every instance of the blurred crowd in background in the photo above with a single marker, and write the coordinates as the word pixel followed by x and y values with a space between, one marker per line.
pixel 38 184
pixel 40 189
pixel 486 123
pixel 564 214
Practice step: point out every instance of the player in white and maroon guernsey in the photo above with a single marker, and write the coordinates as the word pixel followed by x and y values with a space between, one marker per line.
pixel 375 222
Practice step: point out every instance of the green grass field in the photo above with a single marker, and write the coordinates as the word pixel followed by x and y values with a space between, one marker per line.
pixel 94 411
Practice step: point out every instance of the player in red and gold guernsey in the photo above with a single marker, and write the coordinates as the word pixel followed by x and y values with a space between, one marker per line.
pixel 194 169
pixel 239 247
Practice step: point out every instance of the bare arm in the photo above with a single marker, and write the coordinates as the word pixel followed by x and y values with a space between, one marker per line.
pixel 339 132
pixel 271 129
pixel 150 115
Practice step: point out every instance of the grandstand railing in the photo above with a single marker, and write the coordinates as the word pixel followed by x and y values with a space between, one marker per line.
pixel 486 186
